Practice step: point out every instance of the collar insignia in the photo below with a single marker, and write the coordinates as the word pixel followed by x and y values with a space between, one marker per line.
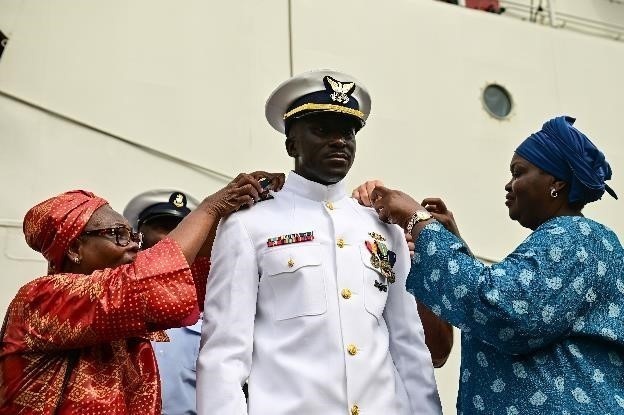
pixel 293 238
pixel 341 90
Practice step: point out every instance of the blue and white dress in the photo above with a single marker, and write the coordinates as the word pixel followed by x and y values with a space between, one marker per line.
pixel 543 330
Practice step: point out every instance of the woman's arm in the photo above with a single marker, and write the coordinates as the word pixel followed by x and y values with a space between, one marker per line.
pixel 520 304
pixel 195 233
pixel 156 291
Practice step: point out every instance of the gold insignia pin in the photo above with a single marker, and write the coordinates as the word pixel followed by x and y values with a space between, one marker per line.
pixel 342 90
pixel 179 200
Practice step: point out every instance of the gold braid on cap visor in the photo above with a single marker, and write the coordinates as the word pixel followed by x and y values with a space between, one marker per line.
pixel 325 107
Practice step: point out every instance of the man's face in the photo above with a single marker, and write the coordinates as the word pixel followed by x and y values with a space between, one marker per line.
pixel 323 146
pixel 156 229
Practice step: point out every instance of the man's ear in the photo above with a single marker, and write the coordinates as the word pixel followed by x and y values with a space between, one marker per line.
pixel 291 147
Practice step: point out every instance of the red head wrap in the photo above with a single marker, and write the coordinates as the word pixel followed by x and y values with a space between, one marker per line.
pixel 52 225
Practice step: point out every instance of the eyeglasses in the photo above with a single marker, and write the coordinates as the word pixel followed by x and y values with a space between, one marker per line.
pixel 122 234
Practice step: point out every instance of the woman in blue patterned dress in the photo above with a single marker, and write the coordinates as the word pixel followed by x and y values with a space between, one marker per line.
pixel 543 330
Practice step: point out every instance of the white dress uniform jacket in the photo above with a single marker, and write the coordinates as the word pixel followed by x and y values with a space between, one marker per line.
pixel 303 322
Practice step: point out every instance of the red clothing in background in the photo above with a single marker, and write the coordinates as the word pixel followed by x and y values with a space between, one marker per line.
pixel 81 343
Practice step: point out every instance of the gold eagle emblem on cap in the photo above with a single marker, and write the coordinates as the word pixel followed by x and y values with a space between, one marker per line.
pixel 179 200
pixel 342 90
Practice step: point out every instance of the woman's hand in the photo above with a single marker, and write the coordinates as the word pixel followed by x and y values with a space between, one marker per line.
pixel 244 190
pixel 438 209
pixel 394 206
pixel 276 180
pixel 362 193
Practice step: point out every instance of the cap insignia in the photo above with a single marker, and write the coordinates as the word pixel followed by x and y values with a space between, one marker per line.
pixel 177 200
pixel 341 90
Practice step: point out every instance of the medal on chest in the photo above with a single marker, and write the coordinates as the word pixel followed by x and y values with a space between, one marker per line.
pixel 381 259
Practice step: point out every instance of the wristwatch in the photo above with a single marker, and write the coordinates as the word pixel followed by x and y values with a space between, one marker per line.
pixel 418 216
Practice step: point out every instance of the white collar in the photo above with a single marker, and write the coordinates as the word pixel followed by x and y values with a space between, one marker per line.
pixel 314 191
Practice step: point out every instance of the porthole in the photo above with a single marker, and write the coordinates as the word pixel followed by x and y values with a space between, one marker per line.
pixel 497 101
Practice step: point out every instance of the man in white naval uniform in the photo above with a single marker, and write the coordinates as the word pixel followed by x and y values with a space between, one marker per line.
pixel 300 299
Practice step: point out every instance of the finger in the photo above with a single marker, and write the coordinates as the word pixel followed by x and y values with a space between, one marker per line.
pixel 265 180
pixel 248 179
pixel 260 174
pixel 378 192
pixel 378 204
pixel 411 246
pixel 371 184
pixel 409 238
pixel 237 178
pixel 362 193
pixel 435 201
pixel 365 195
pixel 248 190
pixel 278 181
pixel 244 200
pixel 356 195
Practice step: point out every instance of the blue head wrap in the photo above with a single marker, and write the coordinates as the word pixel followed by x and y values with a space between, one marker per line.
pixel 567 154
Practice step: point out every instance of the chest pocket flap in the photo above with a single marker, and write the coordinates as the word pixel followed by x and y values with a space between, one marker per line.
pixel 294 274
pixel 374 298
pixel 290 258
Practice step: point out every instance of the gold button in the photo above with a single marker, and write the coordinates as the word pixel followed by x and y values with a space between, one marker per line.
pixel 340 243
pixel 346 293
pixel 352 349
pixel 291 263
pixel 329 205
pixel 355 410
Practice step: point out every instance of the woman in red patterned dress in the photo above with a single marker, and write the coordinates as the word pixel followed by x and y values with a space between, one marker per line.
pixel 77 341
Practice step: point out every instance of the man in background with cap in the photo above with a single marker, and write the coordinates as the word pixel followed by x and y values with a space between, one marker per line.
pixel 306 297
pixel 156 213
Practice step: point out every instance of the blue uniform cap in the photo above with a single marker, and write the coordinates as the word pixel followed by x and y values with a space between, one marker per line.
pixel 322 90
pixel 157 204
